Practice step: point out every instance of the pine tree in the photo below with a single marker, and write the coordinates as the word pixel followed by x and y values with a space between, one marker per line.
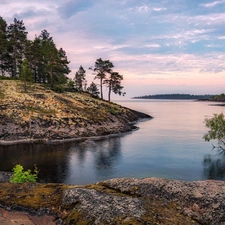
pixel 79 79
pixel 34 55
pixel 61 67
pixel 25 74
pixel 54 61
pixel 114 84
pixel 17 37
pixel 4 56
pixel 93 90
pixel 101 69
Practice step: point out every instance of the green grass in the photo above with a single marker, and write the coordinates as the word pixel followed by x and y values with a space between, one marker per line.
pixel 7 78
pixel 41 111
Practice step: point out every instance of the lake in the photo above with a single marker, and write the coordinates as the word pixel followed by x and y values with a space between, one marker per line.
pixel 169 146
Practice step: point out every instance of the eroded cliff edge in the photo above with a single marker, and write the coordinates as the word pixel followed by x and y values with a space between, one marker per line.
pixel 41 114
pixel 120 201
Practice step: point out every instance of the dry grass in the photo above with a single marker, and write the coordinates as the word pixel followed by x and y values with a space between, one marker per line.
pixel 39 101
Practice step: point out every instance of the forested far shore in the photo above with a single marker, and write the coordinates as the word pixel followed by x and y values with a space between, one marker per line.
pixel 176 96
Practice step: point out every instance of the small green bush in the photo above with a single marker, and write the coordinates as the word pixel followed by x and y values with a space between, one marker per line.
pixel 21 176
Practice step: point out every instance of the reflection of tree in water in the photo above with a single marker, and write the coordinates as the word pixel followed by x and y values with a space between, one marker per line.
pixel 214 167
pixel 51 160
pixel 107 155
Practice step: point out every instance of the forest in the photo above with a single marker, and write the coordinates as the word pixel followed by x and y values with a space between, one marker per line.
pixel 40 61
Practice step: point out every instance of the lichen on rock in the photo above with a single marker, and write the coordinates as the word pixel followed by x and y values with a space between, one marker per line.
pixel 102 207
pixel 121 201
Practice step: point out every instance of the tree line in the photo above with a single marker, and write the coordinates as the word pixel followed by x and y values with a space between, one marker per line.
pixel 175 96
pixel 40 61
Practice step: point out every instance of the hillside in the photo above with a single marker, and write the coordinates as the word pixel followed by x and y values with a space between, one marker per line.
pixel 41 114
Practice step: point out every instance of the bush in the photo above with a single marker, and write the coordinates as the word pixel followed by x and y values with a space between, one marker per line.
pixel 216 124
pixel 21 176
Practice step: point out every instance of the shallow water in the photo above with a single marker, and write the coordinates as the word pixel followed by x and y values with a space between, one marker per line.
pixel 170 145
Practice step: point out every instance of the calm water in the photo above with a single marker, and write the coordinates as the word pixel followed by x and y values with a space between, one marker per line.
pixel 169 146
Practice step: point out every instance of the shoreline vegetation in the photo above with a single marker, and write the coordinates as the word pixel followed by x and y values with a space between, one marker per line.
pixel 42 115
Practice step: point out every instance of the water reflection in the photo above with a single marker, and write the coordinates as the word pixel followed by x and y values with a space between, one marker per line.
pixel 73 163
pixel 214 166
pixel 107 156
pixel 50 159
pixel 94 161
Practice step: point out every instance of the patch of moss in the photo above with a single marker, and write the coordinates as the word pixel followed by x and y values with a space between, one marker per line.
pixel 102 188
pixel 40 111
pixel 33 195
pixel 1 95
pixel 7 78
pixel 75 217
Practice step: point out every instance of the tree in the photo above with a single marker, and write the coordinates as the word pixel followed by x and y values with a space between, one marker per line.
pixel 60 69
pixel 17 37
pixel 54 63
pixel 114 84
pixel 33 52
pixel 101 69
pixel 4 56
pixel 217 130
pixel 93 90
pixel 49 55
pixel 79 79
pixel 25 74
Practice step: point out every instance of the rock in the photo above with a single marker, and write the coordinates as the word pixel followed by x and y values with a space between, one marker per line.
pixel 5 176
pixel 13 218
pixel 202 200
pixel 102 207
pixel 120 201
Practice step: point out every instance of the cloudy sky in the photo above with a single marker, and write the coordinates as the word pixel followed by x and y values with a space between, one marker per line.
pixel 160 46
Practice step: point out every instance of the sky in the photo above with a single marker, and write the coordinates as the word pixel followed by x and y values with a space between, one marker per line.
pixel 159 46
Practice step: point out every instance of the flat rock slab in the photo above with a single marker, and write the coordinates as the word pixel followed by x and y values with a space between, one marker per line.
pixel 201 200
pixel 22 218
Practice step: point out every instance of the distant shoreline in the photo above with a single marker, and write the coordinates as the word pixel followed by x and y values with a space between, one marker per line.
pixel 176 97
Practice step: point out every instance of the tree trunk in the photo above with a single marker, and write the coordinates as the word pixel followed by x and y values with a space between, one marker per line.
pixel 101 88
pixel 51 77
pixel 109 94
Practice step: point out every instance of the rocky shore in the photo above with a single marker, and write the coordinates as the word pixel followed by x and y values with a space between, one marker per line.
pixel 41 115
pixel 116 201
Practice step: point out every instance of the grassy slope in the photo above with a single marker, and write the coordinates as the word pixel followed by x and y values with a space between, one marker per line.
pixel 42 113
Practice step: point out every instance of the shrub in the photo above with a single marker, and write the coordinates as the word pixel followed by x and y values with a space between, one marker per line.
pixel 216 124
pixel 21 176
